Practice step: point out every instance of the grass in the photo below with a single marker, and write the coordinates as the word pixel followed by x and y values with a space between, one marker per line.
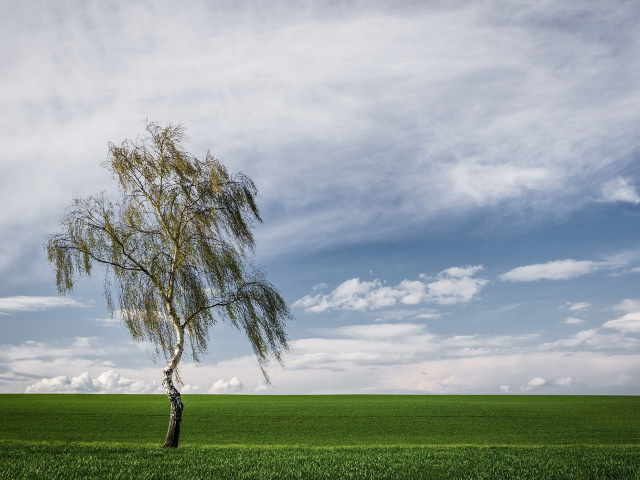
pixel 113 436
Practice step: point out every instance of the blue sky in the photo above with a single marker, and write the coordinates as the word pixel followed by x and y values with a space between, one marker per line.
pixel 450 190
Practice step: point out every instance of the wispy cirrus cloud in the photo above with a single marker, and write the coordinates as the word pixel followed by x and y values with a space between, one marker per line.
pixel 577 306
pixel 23 303
pixel 451 286
pixel 619 189
pixel 557 270
pixel 482 105
pixel 630 321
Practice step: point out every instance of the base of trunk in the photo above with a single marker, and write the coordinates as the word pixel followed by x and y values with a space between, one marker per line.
pixel 173 434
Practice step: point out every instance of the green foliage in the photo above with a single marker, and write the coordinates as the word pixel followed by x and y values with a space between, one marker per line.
pixel 176 245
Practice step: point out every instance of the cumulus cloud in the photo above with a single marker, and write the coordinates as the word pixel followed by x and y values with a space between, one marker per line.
pixel 107 382
pixel 451 286
pixel 21 303
pixel 544 382
pixel 227 386
pixel 619 190
pixel 557 270
pixel 455 285
pixel 192 389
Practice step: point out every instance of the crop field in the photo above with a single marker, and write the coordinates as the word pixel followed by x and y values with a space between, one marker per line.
pixel 351 436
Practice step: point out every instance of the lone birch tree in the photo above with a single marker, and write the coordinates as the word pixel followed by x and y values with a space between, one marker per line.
pixel 176 245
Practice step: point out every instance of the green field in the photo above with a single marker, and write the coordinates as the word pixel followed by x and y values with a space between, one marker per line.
pixel 360 436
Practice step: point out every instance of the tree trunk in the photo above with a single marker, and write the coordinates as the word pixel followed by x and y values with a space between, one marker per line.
pixel 175 418
pixel 173 434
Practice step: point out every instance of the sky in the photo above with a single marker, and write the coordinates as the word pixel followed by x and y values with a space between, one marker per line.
pixel 450 189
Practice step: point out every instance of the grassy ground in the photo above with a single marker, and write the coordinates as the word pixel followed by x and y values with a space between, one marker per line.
pixel 111 436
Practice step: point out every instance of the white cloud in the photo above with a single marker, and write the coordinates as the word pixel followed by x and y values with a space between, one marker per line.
pixel 261 385
pixel 563 381
pixel 383 358
pixel 456 285
pixel 193 389
pixel 537 382
pixel 429 315
pixel 23 303
pixel 628 305
pixel 451 286
pixel 227 386
pixel 574 307
pixel 107 382
pixel 505 388
pixel 593 339
pixel 619 190
pixel 629 323
pixel 380 331
pixel 481 104
pixel 573 321
pixel 558 270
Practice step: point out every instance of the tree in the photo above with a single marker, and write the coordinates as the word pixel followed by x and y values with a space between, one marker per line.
pixel 176 246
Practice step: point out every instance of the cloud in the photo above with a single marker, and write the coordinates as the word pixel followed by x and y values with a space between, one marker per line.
pixel 107 382
pixel 451 286
pixel 261 386
pixel 353 295
pixel 629 323
pixel 628 305
pixel 372 358
pixel 10 305
pixel 573 321
pixel 537 382
pixel 455 285
pixel 193 389
pixel 574 307
pixel 558 270
pixel 619 190
pixel 544 382
pixel 520 109
pixel 223 386
pixel 429 315
pixel 439 373
pixel 392 344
